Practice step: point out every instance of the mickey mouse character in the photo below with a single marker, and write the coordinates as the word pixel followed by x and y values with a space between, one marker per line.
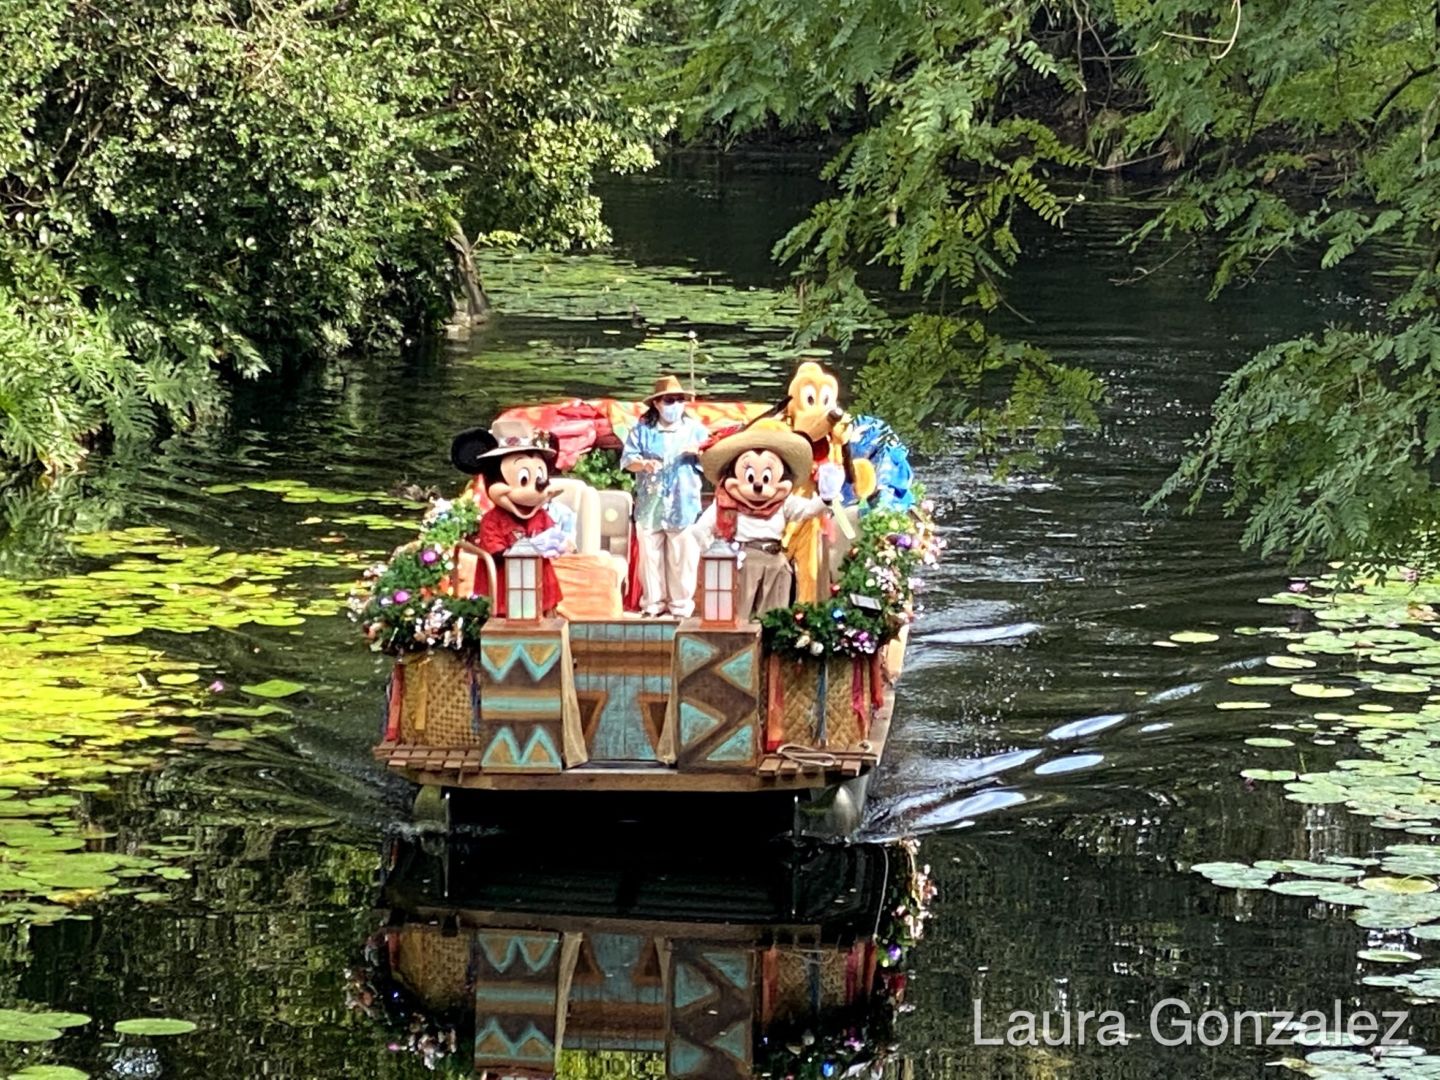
pixel 754 473
pixel 513 465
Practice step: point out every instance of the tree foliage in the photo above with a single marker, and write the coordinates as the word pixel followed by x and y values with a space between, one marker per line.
pixel 219 185
pixel 940 161
pixel 1303 130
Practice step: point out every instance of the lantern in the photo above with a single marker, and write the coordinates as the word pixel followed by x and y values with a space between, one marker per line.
pixel 718 585
pixel 522 581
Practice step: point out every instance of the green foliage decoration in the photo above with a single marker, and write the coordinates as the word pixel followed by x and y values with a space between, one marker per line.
pixel 406 604
pixel 601 470
pixel 873 596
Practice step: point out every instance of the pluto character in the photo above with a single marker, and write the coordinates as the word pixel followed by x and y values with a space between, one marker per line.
pixel 512 464
pixel 754 472
pixel 812 409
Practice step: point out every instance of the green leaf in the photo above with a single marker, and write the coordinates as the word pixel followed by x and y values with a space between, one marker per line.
pixel 273 688
pixel 154 1026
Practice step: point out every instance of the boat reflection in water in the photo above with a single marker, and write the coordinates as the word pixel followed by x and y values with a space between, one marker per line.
pixel 781 961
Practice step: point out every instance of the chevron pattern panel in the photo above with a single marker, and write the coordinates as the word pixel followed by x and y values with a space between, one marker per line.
pixel 622 683
pixel 717 698
pixel 517 987
pixel 712 1011
pixel 522 695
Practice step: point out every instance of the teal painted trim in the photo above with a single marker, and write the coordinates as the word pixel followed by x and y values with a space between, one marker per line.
pixel 740 669
pixel 690 986
pixel 545 1051
pixel 516 653
pixel 685 1058
pixel 515 995
pixel 494 704
pixel 732 965
pixel 695 723
pixel 505 737
pixel 541 738
pixel 513 952
pixel 734 1040
pixel 695 653
pixel 738 747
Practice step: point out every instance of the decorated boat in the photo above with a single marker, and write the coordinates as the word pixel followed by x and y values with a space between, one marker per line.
pixel 495 958
pixel 530 659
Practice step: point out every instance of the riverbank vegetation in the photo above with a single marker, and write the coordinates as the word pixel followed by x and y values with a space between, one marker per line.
pixel 1298 133
pixel 194 191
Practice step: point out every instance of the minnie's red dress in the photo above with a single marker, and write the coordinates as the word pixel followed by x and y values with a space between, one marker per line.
pixel 499 530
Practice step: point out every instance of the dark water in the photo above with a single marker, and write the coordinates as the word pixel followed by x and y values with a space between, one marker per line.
pixel 1062 770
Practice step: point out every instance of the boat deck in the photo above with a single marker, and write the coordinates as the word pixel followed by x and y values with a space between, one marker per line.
pixel 462 768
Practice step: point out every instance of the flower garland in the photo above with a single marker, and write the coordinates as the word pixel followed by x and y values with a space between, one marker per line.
pixel 405 605
pixel 873 597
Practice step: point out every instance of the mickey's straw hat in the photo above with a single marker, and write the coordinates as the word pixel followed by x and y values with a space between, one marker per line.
pixel 768 434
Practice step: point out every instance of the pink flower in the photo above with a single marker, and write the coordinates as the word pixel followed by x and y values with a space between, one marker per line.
pixel 402 597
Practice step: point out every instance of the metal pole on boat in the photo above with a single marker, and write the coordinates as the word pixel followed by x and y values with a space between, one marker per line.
pixel 693 339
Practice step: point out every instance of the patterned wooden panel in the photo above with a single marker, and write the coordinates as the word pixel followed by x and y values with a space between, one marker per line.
pixel 622 683
pixel 522 695
pixel 712 1011
pixel 717 698
pixel 617 997
pixel 518 977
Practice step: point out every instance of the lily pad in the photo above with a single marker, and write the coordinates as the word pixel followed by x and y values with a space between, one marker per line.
pixel 273 688
pixel 1407 886
pixel 1316 690
pixel 1389 956
pixel 154 1026
pixel 1289 663
pixel 1194 637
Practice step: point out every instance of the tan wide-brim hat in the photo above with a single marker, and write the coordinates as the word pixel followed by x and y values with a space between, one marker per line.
pixel 794 450
pixel 667 386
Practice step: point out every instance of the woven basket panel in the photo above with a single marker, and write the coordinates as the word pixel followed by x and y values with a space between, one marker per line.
pixel 802 688
pixel 797 970
pixel 798 712
pixel 435 967
pixel 842 725
pixel 439 706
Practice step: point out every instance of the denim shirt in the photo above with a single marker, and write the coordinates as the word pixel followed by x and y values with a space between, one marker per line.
pixel 670 498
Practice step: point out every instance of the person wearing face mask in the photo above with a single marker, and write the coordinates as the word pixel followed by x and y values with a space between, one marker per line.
pixel 663 451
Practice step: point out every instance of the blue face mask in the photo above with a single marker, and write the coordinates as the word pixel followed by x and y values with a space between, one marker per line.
pixel 670 413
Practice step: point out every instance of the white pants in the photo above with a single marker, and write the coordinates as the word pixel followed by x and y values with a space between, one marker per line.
pixel 669 564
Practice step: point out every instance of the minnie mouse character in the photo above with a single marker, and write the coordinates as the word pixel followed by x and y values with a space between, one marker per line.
pixel 754 472
pixel 513 465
